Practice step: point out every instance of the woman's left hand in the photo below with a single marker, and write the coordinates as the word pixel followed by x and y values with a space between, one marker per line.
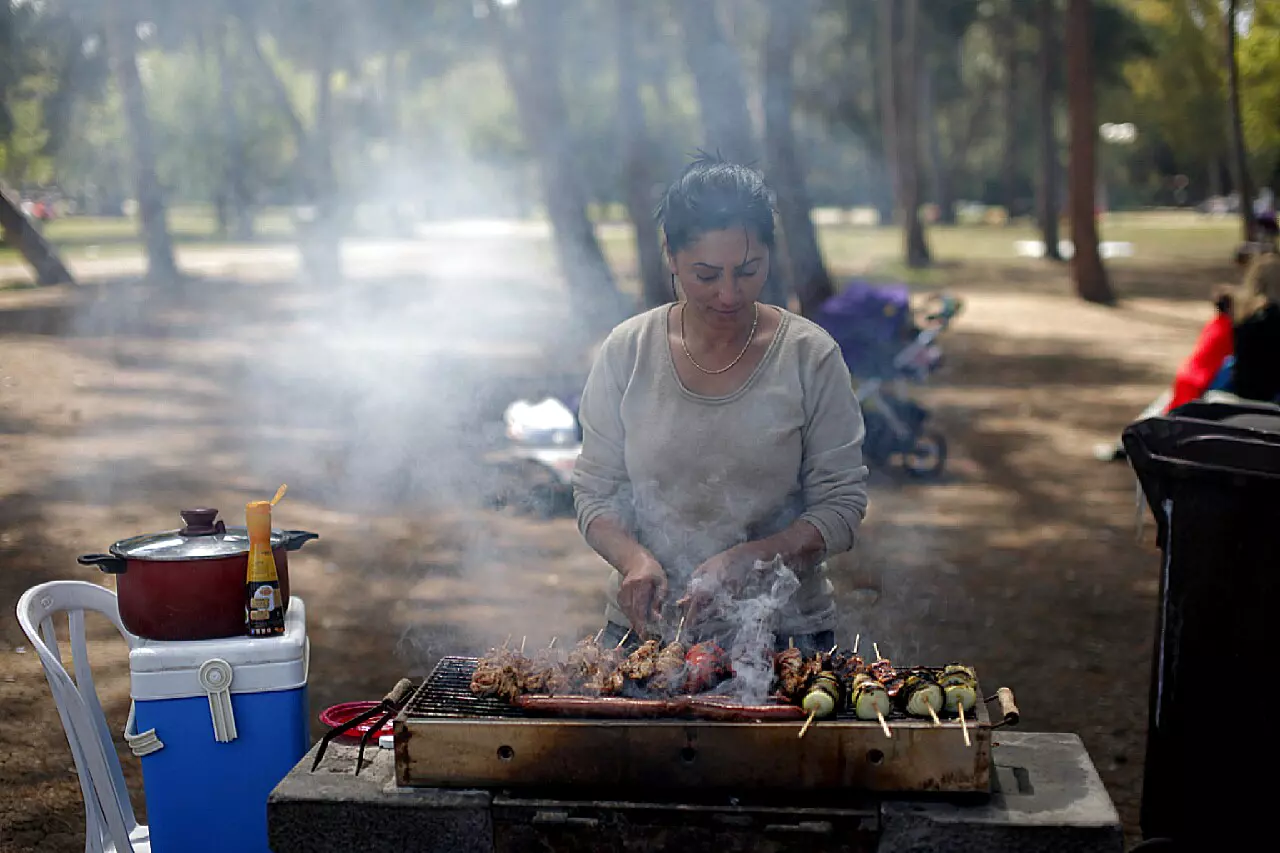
pixel 727 571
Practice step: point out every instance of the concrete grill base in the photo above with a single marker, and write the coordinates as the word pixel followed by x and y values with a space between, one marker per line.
pixel 1047 796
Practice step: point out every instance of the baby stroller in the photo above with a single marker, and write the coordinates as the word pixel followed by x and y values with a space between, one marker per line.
pixel 885 349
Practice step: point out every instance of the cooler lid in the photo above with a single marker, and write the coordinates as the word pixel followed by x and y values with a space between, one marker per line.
pixel 170 670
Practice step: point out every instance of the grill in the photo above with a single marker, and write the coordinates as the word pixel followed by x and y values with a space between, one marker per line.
pixel 447 737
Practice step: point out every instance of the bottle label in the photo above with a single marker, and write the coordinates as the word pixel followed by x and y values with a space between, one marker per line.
pixel 264 608
pixel 264 613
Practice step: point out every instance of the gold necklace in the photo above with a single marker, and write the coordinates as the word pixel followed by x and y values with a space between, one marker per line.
pixel 755 321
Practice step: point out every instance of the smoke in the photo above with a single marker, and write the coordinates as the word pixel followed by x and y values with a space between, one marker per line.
pixel 756 619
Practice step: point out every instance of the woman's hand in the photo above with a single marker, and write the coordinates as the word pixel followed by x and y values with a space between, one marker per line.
pixel 727 571
pixel 643 590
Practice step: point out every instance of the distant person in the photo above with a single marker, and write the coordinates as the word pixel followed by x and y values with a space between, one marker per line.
pixel 1264 242
pixel 1256 372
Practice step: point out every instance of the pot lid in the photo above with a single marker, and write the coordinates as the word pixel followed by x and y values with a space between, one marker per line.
pixel 203 538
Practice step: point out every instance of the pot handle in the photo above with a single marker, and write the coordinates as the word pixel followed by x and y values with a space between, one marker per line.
pixel 109 563
pixel 295 539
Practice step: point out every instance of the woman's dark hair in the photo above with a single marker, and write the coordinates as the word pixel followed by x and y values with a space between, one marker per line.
pixel 712 194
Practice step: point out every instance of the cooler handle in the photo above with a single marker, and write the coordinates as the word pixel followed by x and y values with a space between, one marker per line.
pixel 215 678
pixel 140 744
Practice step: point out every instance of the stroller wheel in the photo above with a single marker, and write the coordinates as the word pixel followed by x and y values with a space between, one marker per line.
pixel 927 457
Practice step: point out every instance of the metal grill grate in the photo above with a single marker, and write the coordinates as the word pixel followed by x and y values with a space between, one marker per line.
pixel 447 693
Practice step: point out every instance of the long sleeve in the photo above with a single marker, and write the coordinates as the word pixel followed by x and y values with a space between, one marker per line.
pixel 600 482
pixel 832 474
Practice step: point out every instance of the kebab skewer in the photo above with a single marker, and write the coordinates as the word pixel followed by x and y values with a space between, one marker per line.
pixel 960 688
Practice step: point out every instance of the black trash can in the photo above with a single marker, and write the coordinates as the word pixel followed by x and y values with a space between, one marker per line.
pixel 1211 475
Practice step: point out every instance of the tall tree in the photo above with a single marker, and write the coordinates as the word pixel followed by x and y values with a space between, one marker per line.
pixel 1240 158
pixel 122 38
pixel 527 41
pixel 809 275
pixel 1010 148
pixel 1091 280
pixel 900 41
pixel 718 77
pixel 1048 182
pixel 636 151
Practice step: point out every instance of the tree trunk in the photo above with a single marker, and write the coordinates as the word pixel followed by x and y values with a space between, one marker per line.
pixel 234 195
pixel 31 244
pixel 718 78
pixel 1239 159
pixel 1048 183
pixel 915 248
pixel 939 173
pixel 888 101
pixel 809 275
pixel 1086 265
pixel 655 287
pixel 151 213
pixel 321 243
pixel 1009 143
pixel 532 70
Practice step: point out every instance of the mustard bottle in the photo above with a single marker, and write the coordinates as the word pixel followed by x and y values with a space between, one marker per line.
pixel 264 609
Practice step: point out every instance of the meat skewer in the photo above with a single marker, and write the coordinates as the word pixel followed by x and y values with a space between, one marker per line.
pixel 706 666
pixel 670 669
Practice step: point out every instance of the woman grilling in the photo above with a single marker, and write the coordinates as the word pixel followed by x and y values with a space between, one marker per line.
pixel 718 433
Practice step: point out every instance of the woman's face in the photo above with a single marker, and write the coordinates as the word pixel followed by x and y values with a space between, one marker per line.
pixel 722 274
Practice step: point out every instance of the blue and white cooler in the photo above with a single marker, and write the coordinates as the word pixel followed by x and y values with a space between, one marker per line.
pixel 218 724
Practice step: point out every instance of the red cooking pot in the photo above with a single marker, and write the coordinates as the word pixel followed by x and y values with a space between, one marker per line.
pixel 189 584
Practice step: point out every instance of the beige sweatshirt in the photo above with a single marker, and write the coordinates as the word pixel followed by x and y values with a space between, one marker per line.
pixel 691 476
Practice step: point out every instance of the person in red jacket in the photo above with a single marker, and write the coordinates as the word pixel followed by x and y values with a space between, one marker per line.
pixel 1216 343
pixel 1197 371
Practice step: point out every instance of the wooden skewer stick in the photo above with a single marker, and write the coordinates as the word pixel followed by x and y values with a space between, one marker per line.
pixel 522 642
pixel 623 640
pixel 934 714
pixel 807 723
pixel 599 634
pixel 507 641
pixel 791 642
pixel 833 650
pixel 883 724
pixel 876 648
pixel 856 639
pixel 680 628
pixel 964 728
pixel 552 644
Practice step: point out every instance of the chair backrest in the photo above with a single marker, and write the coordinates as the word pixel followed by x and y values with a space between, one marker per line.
pixel 108 812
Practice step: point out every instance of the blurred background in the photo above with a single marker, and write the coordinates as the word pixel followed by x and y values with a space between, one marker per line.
pixel 328 243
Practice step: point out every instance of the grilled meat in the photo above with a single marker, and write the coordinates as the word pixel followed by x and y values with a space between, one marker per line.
pixel 882 670
pixel 669 675
pixel 642 664
pixel 498 674
pixel 546 668
pixel 706 666
pixel 793 675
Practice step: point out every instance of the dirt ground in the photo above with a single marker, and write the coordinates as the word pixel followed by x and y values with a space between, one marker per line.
pixel 119 406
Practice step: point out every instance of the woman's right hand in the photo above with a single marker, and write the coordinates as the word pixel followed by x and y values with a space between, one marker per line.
pixel 644 589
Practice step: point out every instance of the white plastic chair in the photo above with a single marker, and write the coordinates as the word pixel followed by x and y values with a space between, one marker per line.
pixel 110 823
